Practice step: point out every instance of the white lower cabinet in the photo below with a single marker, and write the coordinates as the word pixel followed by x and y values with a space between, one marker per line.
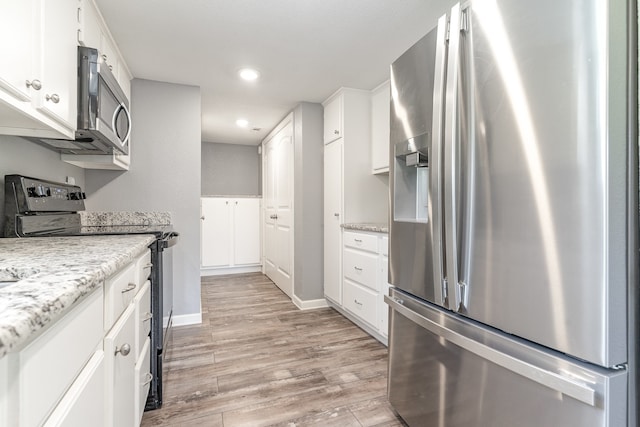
pixel 85 399
pixel 364 281
pixel 230 233
pixel 50 364
pixel 361 301
pixel 120 366
pixel 87 368
pixel 142 380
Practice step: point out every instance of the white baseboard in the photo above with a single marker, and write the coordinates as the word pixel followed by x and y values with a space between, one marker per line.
pixel 184 319
pixel 219 271
pixel 309 304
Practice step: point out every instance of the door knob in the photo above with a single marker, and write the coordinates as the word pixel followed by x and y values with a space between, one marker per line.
pixel 124 350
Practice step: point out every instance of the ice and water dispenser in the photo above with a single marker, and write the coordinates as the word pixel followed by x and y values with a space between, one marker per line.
pixel 411 180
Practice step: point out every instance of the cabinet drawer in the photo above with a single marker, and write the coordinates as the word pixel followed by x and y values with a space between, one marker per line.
pixel 85 399
pixel 365 242
pixel 143 380
pixel 50 364
pixel 143 268
pixel 119 291
pixel 361 301
pixel 361 267
pixel 142 305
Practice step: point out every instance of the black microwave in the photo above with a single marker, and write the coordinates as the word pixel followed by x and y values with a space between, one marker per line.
pixel 104 120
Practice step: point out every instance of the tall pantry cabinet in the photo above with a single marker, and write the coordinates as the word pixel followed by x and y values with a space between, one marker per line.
pixel 351 193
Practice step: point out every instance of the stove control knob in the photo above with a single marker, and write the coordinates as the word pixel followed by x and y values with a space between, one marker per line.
pixel 39 191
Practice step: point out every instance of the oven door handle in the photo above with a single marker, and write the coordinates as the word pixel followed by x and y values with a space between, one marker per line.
pixel 169 240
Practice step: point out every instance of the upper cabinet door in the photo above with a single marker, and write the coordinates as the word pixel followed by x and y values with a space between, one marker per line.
pixel 380 123
pixel 18 32
pixel 59 60
pixel 333 119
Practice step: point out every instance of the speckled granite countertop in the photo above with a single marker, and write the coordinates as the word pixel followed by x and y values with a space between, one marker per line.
pixel 55 273
pixel 378 228
pixel 89 218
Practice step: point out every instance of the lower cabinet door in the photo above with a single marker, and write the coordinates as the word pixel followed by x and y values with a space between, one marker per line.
pixel 120 374
pixel 84 400
pixel 361 301
pixel 143 380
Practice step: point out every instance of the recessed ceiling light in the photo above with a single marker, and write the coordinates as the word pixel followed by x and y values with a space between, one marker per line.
pixel 242 123
pixel 249 74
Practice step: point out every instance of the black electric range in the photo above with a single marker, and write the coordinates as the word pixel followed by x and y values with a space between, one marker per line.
pixel 39 208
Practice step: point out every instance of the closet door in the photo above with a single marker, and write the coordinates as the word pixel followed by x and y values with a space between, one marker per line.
pixel 278 209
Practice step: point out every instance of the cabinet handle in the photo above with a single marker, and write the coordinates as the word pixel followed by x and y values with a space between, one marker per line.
pixel 35 84
pixel 129 288
pixel 357 240
pixel 337 215
pixel 273 216
pixel 336 132
pixel 55 98
pixel 149 265
pixel 124 350
pixel 110 67
pixel 148 377
pixel 104 57
pixel 147 316
pixel 357 268
pixel 236 202
pixel 202 217
pixel 357 302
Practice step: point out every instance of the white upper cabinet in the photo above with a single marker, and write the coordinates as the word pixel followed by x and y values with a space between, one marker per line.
pixel 380 126
pixel 17 24
pixel 333 118
pixel 38 83
pixel 59 61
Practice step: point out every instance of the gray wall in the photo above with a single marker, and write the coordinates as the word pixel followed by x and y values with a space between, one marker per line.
pixel 19 156
pixel 309 201
pixel 231 170
pixel 164 176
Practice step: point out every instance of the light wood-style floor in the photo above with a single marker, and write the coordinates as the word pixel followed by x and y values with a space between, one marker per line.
pixel 257 360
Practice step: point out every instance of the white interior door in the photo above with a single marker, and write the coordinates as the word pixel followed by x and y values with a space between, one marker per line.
pixel 269 201
pixel 278 199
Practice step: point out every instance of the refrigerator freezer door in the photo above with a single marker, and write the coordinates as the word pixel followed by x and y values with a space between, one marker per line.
pixel 415 235
pixel 446 371
pixel 543 154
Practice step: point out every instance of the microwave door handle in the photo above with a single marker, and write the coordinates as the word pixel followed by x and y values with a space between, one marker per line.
pixel 113 121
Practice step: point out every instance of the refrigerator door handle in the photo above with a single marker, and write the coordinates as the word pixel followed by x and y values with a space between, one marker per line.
pixel 451 140
pixel 435 160
pixel 567 386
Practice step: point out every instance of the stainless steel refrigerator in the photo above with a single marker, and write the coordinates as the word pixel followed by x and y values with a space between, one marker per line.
pixel 514 211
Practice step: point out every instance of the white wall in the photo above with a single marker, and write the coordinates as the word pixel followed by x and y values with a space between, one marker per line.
pixel 164 176
pixel 20 156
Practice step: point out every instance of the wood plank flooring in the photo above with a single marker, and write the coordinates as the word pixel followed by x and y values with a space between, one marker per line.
pixel 256 360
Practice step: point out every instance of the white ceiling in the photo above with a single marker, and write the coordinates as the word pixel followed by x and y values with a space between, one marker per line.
pixel 304 49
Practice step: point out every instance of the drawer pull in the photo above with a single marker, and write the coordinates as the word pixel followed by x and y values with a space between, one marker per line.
pixel 148 377
pixel 357 268
pixel 149 265
pixel 147 316
pixel 129 288
pixel 124 350
pixel 357 302
pixel 358 240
